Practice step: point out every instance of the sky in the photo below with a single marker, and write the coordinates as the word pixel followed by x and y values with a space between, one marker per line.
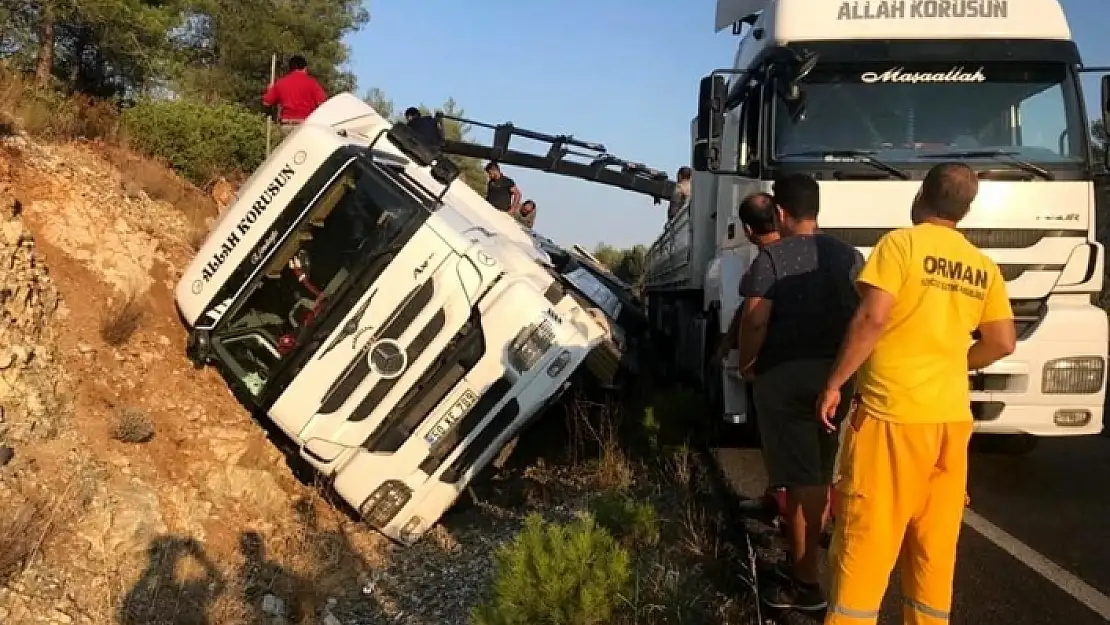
pixel 623 73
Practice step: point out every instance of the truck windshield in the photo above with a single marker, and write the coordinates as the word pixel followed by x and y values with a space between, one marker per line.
pixel 355 220
pixel 900 112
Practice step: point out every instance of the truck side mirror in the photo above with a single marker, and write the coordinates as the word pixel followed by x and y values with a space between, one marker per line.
pixel 806 65
pixel 711 120
pixel 411 144
pixel 443 170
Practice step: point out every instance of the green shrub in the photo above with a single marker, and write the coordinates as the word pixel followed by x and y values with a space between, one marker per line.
pixel 556 574
pixel 631 521
pixel 198 140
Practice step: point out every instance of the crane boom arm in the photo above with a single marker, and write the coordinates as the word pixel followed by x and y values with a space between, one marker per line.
pixel 601 167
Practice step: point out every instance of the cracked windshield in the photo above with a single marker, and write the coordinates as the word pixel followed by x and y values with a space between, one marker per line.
pixel 352 224
pixel 902 111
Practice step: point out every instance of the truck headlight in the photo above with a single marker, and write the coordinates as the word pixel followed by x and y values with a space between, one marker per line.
pixel 385 502
pixel 1071 375
pixel 530 345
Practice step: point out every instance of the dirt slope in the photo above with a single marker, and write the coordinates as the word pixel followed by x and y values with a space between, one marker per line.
pixel 140 490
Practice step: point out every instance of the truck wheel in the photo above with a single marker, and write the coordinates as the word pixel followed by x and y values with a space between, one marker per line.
pixel 1007 444
pixel 749 432
pixel 711 372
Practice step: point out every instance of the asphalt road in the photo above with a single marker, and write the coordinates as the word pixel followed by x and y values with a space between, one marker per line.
pixel 1039 524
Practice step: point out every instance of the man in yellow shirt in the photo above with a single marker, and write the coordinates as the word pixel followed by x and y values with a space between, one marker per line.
pixel 903 465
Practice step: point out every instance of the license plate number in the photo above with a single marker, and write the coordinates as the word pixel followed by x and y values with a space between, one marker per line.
pixel 454 414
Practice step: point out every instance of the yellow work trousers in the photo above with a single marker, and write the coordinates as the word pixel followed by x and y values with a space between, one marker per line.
pixel 901 494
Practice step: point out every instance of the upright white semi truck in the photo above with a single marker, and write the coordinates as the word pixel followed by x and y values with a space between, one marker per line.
pixel 866 97
pixel 396 327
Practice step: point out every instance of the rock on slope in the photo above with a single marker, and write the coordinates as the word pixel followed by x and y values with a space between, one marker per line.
pixel 202 522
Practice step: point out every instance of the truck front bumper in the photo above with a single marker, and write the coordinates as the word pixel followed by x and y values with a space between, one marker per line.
pixel 404 490
pixel 1054 384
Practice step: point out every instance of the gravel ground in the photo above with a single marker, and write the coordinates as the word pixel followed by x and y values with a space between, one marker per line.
pixel 438 580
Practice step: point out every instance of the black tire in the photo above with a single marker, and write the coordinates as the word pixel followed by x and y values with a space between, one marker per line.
pixel 711 371
pixel 749 432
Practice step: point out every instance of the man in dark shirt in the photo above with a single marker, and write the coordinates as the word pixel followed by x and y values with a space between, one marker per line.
pixel 799 296
pixel 757 217
pixel 297 93
pixel 501 191
pixel 424 126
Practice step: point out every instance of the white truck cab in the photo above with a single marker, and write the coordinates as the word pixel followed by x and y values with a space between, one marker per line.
pixel 395 326
pixel 866 97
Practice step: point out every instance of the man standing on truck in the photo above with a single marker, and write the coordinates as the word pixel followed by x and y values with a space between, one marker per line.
pixel 296 93
pixel 681 191
pixel 903 470
pixel 527 214
pixel 501 190
pixel 798 300
pixel 424 126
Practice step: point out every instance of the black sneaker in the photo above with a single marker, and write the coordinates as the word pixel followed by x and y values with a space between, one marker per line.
pixel 795 595
pixel 779 572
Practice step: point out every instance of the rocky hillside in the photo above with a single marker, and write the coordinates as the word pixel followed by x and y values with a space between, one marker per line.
pixel 135 488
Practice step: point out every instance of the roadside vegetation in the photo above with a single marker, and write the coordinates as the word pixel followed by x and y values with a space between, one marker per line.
pixel 646 541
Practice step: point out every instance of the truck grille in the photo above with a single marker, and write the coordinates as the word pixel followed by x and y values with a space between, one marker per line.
pixel 986 410
pixel 502 420
pixel 979 237
pixel 1028 314
pixel 447 445
pixel 359 366
pixel 458 358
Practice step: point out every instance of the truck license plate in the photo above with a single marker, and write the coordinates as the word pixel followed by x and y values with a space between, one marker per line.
pixel 449 420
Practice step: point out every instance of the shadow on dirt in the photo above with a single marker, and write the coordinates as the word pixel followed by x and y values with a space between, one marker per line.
pixel 298 577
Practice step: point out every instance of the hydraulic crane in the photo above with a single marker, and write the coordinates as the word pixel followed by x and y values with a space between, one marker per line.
pixel 601 167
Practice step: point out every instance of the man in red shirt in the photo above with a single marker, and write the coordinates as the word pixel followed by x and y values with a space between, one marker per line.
pixel 297 93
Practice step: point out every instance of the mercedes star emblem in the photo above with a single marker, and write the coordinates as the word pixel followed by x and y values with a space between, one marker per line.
pixel 388 359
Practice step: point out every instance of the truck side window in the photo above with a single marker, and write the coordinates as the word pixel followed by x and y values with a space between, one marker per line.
pixel 743 148
pixel 749 133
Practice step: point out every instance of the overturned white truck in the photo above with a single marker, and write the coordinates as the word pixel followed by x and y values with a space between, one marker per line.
pixel 392 324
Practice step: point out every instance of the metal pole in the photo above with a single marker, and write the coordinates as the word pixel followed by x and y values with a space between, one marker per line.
pixel 269 118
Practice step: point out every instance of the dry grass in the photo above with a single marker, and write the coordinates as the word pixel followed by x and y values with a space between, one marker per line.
pixel 160 183
pixel 132 426
pixel 121 319
pixel 28 522
pixel 665 591
pixel 197 236
pixel 614 470
pixel 679 467
pixel 55 117
pixel 595 431
pixel 18 536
